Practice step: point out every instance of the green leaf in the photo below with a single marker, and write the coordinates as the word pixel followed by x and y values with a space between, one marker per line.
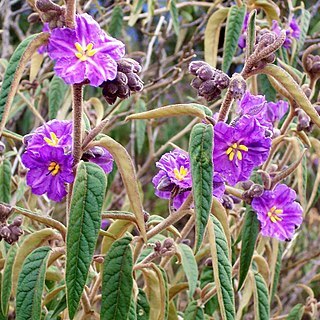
pixel 233 31
pixel 222 269
pixel 193 312
pixel 132 315
pixel 250 233
pixel 5 181
pixel 206 277
pixel 135 11
pixel 251 33
pixel 7 279
pixel 200 148
pixel 2 316
pixel 30 285
pixel 266 88
pixel 14 72
pixel 61 306
pixel 117 281
pixel 116 23
pixel 57 91
pixel 212 35
pixel 83 230
pixel 305 19
pixel 141 125
pixel 276 272
pixel 296 312
pixel 143 308
pixel 261 298
pixel 190 267
pixel 166 289
pixel 174 15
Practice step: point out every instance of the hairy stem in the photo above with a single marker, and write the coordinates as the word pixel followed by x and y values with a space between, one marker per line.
pixel 70 13
pixel 224 111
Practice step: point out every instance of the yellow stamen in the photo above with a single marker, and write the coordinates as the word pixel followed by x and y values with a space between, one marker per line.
pixel 274 213
pixel 84 52
pixel 54 168
pixel 53 141
pixel 180 174
pixel 234 149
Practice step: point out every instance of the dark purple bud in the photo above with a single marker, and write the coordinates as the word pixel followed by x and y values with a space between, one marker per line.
pixel 196 83
pixel 5 232
pixel 134 82
pixel 168 243
pixel 195 65
pixel 109 88
pixel 237 86
pixel 17 221
pixel 205 72
pixel 303 120
pixel 208 262
pixel 111 98
pixel 246 185
pixel 221 79
pixel 5 211
pixel 207 87
pixel 121 78
pixel 2 147
pixel 123 92
pixel 227 202
pixel 256 190
pixel 125 66
pixel 146 216
pixel 157 246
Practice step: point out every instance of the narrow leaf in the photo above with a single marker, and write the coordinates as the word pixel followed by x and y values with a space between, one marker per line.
pixel 222 269
pixel 30 285
pixel 116 23
pixel 129 178
pixel 83 230
pixel 296 312
pixel 174 15
pixel 57 91
pixel 135 11
pixel 250 233
pixel 233 31
pixel 5 181
pixel 143 308
pixel 132 315
pixel 275 272
pixel 14 72
pixel 200 148
pixel 190 267
pixel 270 8
pixel 261 298
pixel 7 279
pixel 266 88
pixel 212 35
pixel 190 109
pixel 141 125
pixel 193 312
pixel 251 33
pixel 117 281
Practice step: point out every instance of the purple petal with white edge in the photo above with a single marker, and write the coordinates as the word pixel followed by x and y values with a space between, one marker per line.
pixel 71 70
pixel 87 30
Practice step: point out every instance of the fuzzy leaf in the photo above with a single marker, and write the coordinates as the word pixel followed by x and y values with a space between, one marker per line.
pixel 116 23
pixel 193 312
pixel 141 125
pixel 57 91
pixel 296 312
pixel 117 281
pixel 265 88
pixel 31 242
pixel 190 109
pixel 222 268
pixel 135 11
pixel 276 269
pixel 200 148
pixel 14 72
pixel 190 267
pixel 250 233
pixel 129 178
pixel 251 33
pixel 174 15
pixel 5 181
pixel 30 285
pixel 7 279
pixel 83 230
pixel 212 35
pixel 143 307
pixel 261 298
pixel 132 315
pixel 270 8
pixel 233 31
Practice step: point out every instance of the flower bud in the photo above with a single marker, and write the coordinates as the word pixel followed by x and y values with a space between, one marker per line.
pixel 134 82
pixel 34 17
pixel 195 65
pixel 196 83
pixel 303 120
pixel 17 221
pixel 227 202
pixel 121 78
pixel 165 184
pixel 205 72
pixel 5 211
pixel 246 184
pixel 168 243
pixel 2 147
pixel 237 86
pixel 146 216
pixel 208 262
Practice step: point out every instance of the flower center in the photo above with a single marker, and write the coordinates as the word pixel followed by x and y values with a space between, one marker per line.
pixel 235 149
pixel 274 213
pixel 84 52
pixel 53 141
pixel 54 168
pixel 181 173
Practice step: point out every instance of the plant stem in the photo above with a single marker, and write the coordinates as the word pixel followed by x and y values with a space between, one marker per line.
pixel 77 92
pixel 224 111
pixel 70 13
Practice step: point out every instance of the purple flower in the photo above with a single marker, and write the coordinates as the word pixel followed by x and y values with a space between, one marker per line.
pixel 175 173
pixel 54 133
pixel 86 52
pixel 242 39
pixel 267 113
pixel 43 49
pixel 49 169
pixel 101 157
pixel 278 212
pixel 292 31
pixel 239 149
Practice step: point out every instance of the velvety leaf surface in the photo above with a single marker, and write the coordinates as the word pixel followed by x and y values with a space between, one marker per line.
pixel 261 298
pixel 193 312
pixel 5 181
pixel 143 307
pixel 30 285
pixel 117 281
pixel 296 312
pixel 141 125
pixel 84 225
pixel 200 149
pixel 57 90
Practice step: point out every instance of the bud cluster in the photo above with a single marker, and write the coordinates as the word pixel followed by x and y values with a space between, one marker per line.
pixel 126 81
pixel 237 86
pixel 209 81
pixel 312 65
pixel 164 248
pixel 11 233
pixel 51 13
pixel 254 191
